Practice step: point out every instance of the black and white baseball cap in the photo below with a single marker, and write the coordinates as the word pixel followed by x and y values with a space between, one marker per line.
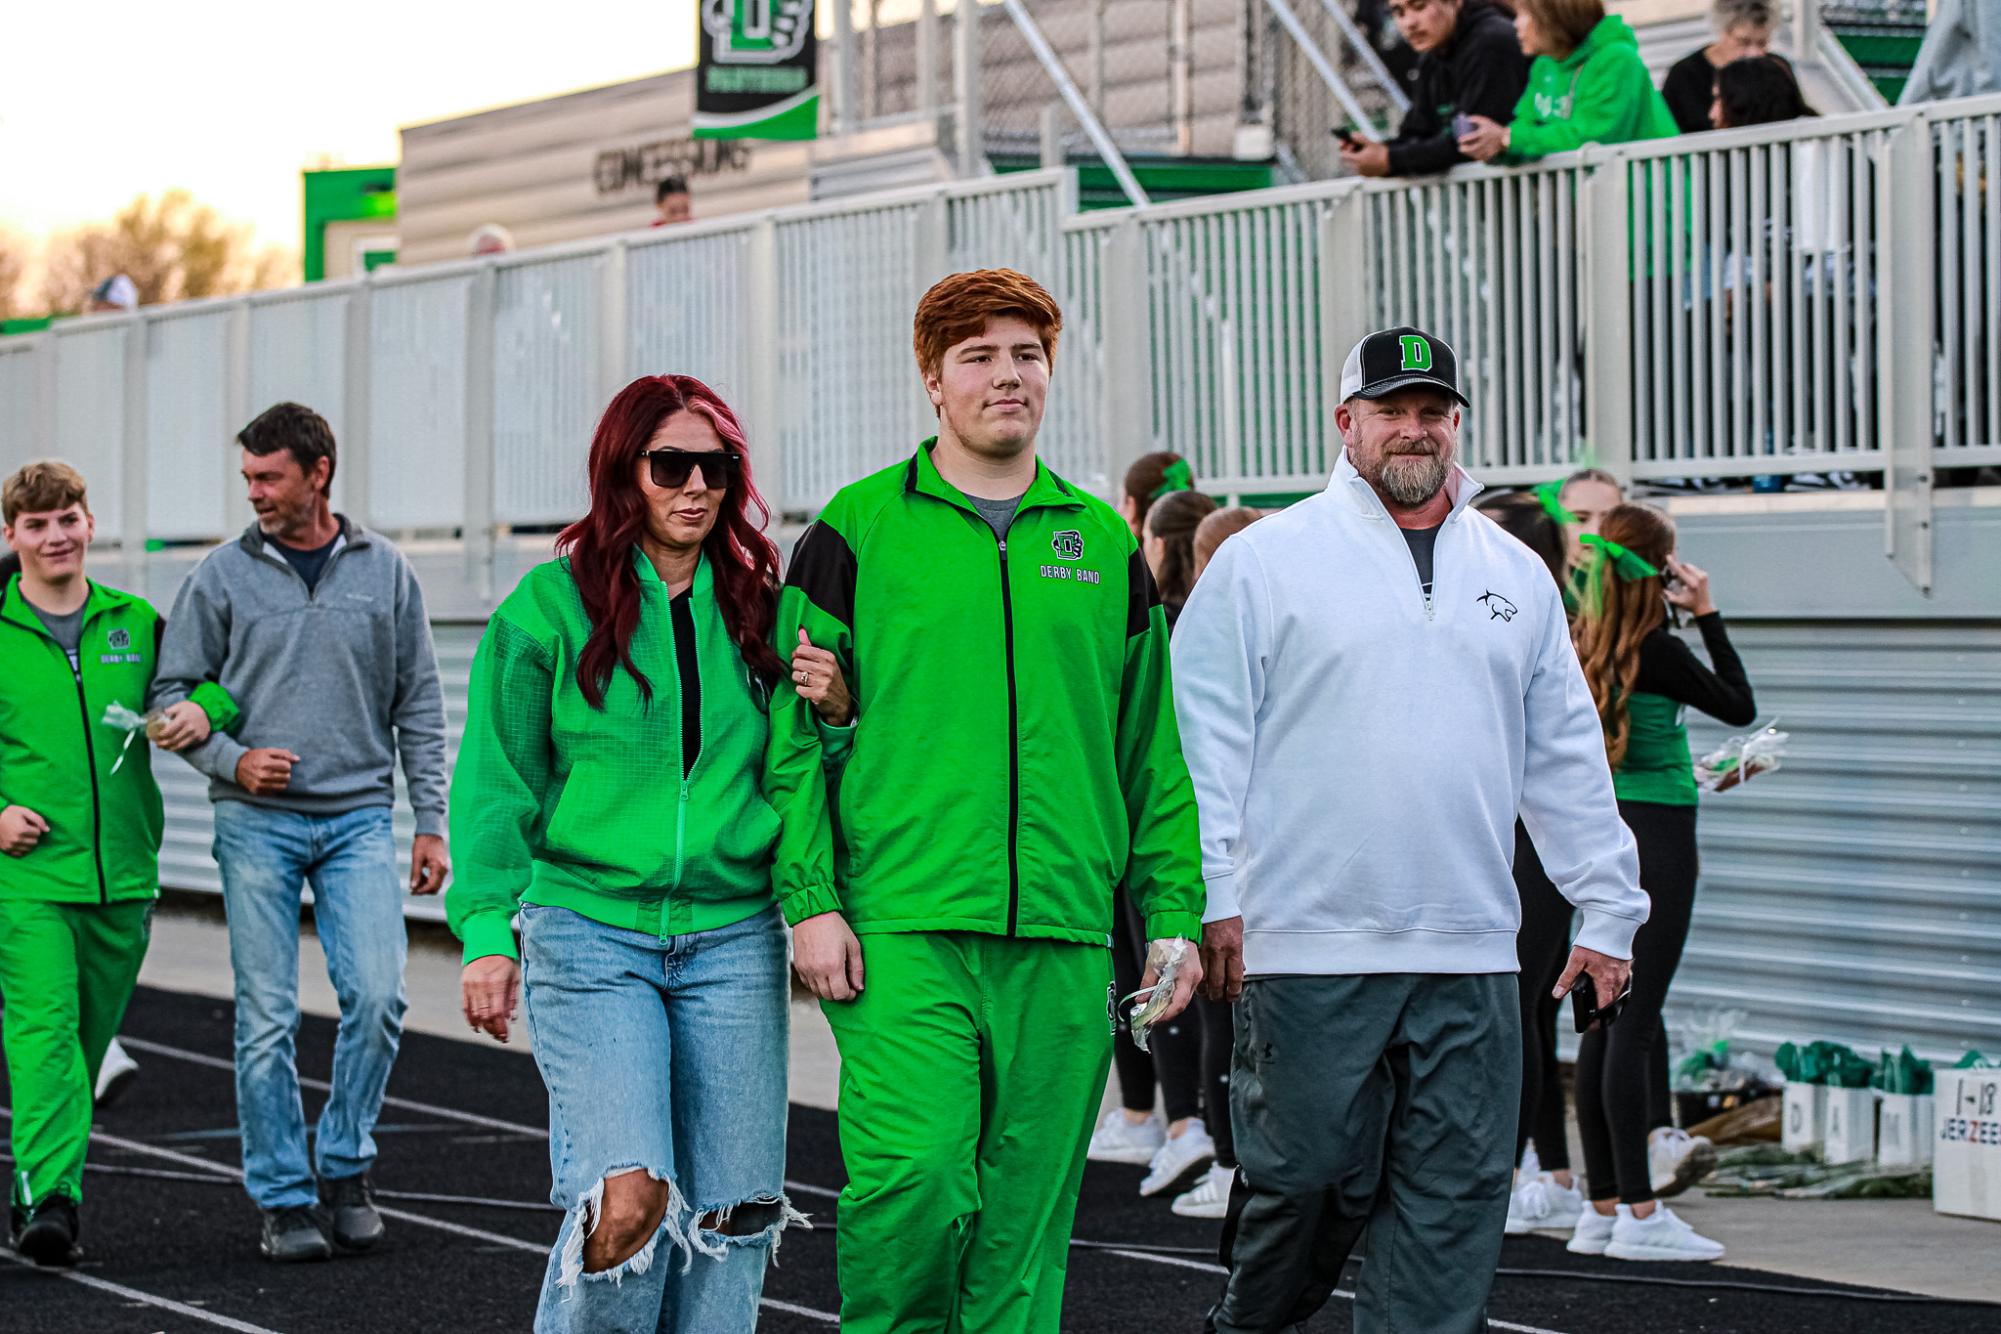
pixel 1393 359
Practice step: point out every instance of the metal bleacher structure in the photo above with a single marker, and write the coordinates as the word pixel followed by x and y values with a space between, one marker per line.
pixel 1799 300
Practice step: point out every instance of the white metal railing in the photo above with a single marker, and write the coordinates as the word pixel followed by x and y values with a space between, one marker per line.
pixel 1818 295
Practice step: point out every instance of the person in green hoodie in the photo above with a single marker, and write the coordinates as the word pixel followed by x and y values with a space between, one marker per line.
pixel 609 791
pixel 80 824
pixel 1588 85
pixel 1013 757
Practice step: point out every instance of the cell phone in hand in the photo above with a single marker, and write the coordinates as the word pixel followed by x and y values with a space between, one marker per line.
pixel 1346 134
pixel 1586 1013
pixel 1462 125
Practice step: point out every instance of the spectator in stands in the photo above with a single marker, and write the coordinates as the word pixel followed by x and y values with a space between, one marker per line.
pixel 329 699
pixel 1374 1084
pixel 1168 540
pixel 651 947
pixel 1131 1132
pixel 1468 63
pixel 1757 90
pixel 490 238
pixel 1588 85
pixel 116 295
pixel 1583 498
pixel 1211 533
pixel 1643 678
pixel 80 827
pixel 1743 29
pixel 672 203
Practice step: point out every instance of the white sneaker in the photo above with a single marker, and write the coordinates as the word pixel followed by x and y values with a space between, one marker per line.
pixel 1677 1160
pixel 1543 1206
pixel 1118 1140
pixel 1594 1232
pixel 115 1075
pixel 1211 1196
pixel 1659 1236
pixel 1179 1161
pixel 1530 1167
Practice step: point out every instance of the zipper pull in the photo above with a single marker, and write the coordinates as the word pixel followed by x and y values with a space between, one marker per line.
pixel 1430 613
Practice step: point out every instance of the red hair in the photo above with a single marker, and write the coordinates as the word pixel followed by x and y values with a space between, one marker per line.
pixel 599 545
pixel 958 307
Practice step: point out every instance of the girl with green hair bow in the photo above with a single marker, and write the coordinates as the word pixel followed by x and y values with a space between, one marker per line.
pixel 1643 678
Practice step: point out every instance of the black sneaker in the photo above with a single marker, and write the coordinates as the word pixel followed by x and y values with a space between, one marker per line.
pixel 294 1235
pixel 51 1232
pixel 357 1225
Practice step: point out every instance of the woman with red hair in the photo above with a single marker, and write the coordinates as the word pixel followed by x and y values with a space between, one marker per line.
pixel 609 791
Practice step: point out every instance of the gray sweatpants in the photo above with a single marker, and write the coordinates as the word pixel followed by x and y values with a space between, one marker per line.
pixel 1384 1102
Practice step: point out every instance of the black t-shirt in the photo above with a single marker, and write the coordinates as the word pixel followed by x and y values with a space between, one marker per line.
pixel 1422 542
pixel 683 609
pixel 310 564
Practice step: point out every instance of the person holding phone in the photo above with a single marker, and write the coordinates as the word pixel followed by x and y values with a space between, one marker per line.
pixel 1468 63
pixel 1382 641
pixel 1643 679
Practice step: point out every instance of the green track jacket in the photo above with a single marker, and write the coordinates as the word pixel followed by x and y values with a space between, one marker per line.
pixel 57 754
pixel 559 803
pixel 1015 753
pixel 1600 93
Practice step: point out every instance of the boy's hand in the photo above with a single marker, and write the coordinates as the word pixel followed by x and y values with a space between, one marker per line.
pixel 20 830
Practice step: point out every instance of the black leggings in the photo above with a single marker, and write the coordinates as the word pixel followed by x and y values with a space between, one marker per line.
pixel 1617 1068
pixel 1135 1067
pixel 1193 1057
pixel 1542 947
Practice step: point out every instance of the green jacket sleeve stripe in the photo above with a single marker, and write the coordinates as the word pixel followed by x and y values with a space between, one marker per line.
pixel 1163 866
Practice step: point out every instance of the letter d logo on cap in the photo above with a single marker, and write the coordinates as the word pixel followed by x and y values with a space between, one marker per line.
pixel 1416 353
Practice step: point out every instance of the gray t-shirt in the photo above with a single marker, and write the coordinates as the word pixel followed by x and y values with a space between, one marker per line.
pixel 999 513
pixel 67 630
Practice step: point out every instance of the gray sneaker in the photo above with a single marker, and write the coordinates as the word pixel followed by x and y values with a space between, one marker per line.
pixel 294 1235
pixel 350 1201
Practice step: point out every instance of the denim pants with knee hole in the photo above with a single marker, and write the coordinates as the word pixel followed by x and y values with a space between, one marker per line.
pixel 665 1056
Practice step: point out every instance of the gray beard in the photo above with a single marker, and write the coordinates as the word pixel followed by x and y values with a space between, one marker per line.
pixel 1407 483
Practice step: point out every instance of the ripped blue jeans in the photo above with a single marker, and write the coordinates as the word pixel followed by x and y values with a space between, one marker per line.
pixel 665 1056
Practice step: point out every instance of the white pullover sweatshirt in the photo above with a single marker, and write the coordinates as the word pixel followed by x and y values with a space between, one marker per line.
pixel 1360 750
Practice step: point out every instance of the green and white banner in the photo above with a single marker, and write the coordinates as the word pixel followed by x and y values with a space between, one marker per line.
pixel 757 72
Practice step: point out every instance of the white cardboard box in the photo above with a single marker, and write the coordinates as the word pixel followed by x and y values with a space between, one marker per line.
pixel 1966 1155
pixel 1805 1112
pixel 1849 1125
pixel 1904 1129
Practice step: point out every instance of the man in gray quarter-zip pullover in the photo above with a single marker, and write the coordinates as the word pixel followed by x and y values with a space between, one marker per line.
pixel 317 627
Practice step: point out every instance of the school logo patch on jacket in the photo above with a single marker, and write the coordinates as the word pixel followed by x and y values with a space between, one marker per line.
pixel 1069 544
pixel 119 639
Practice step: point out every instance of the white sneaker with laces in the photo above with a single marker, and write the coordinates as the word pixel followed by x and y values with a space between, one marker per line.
pixel 115 1075
pixel 1661 1235
pixel 1118 1140
pixel 1677 1160
pixel 1594 1231
pixel 1175 1167
pixel 1211 1196
pixel 1543 1206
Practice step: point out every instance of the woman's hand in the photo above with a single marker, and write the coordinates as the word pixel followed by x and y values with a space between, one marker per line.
pixel 1690 590
pixel 1486 141
pixel 491 992
pixel 817 677
pixel 186 725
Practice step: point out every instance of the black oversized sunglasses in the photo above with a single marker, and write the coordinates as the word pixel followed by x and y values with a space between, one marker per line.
pixel 670 467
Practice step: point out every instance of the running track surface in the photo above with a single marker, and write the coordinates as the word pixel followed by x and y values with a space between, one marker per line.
pixel 170 1238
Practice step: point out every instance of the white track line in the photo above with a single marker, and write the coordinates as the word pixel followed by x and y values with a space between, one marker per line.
pixel 432 1109
pixel 1206 1267
pixel 144 1298
pixel 402 1215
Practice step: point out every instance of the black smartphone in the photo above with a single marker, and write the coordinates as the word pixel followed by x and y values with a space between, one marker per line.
pixel 1586 1013
pixel 1346 134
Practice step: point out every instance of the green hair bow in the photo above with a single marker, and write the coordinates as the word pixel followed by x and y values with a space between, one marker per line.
pixel 1176 476
pixel 1550 493
pixel 1623 561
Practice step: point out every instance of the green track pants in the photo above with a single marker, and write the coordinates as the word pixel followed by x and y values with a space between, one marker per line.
pixel 972 1067
pixel 66 972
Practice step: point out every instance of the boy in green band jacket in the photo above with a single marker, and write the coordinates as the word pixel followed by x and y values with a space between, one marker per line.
pixel 1013 757
pixel 80 822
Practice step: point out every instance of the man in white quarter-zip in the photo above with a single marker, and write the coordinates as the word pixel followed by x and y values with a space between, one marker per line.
pixel 1371 685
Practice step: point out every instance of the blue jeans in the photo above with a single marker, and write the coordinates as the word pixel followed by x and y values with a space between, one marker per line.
pixel 350 861
pixel 665 1056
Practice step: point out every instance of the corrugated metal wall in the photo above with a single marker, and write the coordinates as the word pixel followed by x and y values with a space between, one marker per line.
pixel 1856 894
